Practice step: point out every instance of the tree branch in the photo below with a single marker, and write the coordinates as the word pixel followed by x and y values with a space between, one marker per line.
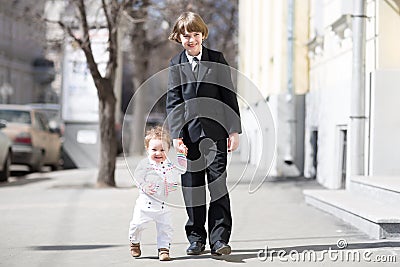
pixel 113 38
pixel 86 46
pixel 67 29
pixel 110 67
pixel 105 10
pixel 132 19
pixel 116 9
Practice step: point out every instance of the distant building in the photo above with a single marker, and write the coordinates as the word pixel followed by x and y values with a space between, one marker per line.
pixel 25 73
pixel 273 55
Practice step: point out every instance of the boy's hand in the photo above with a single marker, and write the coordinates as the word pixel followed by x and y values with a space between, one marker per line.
pixel 233 142
pixel 177 142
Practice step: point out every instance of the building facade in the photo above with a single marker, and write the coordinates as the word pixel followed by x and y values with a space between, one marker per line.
pixel 25 74
pixel 273 55
pixel 291 49
pixel 351 92
pixel 330 102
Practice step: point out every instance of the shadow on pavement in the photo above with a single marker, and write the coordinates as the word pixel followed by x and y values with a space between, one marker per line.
pixel 233 257
pixel 23 181
pixel 87 186
pixel 71 247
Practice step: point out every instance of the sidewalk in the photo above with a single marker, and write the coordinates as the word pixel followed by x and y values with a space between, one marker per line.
pixel 59 219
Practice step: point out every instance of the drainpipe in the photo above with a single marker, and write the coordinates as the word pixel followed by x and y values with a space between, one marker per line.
pixel 291 119
pixel 290 32
pixel 357 115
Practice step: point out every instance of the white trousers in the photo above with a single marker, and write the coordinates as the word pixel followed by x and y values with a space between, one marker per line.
pixel 148 210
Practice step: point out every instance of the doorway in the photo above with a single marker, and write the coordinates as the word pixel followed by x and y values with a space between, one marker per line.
pixel 342 156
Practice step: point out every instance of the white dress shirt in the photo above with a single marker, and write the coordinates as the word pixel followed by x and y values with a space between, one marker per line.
pixel 190 58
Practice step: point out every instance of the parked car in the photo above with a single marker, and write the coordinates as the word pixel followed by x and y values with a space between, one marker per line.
pixel 53 114
pixel 5 154
pixel 33 143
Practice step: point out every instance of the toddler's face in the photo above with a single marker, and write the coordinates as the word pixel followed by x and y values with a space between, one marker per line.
pixel 192 41
pixel 157 150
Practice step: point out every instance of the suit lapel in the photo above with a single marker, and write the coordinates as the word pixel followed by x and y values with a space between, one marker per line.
pixel 203 68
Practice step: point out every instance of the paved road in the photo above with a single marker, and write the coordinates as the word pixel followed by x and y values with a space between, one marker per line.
pixel 60 219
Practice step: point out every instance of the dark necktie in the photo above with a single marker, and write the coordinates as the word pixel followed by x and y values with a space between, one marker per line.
pixel 194 125
pixel 196 67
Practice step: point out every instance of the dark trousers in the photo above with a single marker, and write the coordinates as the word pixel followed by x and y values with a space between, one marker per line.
pixel 207 157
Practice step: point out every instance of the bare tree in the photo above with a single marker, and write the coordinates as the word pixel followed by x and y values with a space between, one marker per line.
pixel 148 40
pixel 87 15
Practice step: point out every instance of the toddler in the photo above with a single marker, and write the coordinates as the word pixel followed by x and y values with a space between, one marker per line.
pixel 156 177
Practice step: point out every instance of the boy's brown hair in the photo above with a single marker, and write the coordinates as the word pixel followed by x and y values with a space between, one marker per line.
pixel 159 133
pixel 191 22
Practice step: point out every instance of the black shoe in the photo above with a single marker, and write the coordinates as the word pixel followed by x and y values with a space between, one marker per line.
pixel 220 248
pixel 195 248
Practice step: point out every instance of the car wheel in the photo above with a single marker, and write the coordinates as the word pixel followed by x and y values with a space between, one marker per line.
pixel 57 166
pixel 5 173
pixel 38 165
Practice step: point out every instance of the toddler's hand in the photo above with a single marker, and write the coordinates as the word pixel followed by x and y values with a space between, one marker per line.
pixel 180 146
pixel 182 149
pixel 150 189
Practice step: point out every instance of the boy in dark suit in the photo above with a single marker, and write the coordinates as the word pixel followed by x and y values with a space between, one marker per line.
pixel 203 113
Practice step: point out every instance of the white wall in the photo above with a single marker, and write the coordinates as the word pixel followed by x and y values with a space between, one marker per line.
pixel 385 92
pixel 327 105
pixel 385 123
pixel 328 102
pixel 388 36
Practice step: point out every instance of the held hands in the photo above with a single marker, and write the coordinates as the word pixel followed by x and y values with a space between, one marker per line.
pixel 180 146
pixel 233 142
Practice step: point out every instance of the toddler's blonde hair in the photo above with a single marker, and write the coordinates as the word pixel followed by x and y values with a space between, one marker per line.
pixel 159 133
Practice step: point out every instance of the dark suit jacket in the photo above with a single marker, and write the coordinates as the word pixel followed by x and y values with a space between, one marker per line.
pixel 211 99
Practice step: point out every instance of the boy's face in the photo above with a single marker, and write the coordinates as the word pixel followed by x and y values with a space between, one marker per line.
pixel 192 41
pixel 157 150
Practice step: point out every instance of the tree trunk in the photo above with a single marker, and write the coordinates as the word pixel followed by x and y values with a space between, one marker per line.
pixel 138 125
pixel 108 142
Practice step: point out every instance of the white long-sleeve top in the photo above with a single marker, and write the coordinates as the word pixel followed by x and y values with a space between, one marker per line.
pixel 162 177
